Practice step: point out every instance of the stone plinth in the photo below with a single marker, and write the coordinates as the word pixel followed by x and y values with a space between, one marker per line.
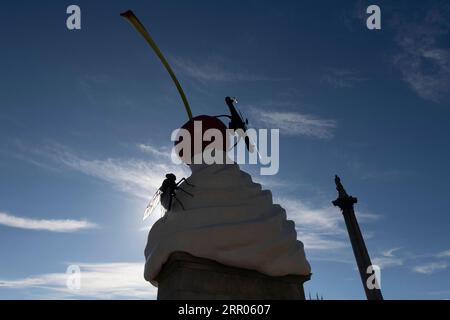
pixel 184 276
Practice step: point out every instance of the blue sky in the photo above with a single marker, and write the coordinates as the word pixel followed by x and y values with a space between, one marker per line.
pixel 86 118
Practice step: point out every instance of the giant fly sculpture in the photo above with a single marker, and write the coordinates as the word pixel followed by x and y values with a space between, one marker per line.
pixel 167 192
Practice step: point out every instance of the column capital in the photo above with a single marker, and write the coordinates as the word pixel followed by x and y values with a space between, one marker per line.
pixel 343 201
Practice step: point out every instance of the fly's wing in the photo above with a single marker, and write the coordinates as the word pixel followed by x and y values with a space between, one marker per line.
pixel 163 211
pixel 251 145
pixel 152 204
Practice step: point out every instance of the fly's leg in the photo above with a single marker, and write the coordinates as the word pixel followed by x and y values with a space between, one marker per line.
pixel 181 204
pixel 185 191
pixel 184 179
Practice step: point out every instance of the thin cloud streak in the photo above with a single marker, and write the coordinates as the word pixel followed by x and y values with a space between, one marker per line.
pixel 430 268
pixel 154 151
pixel 444 254
pixel 427 263
pixel 213 71
pixel 296 124
pixel 388 259
pixel 122 280
pixel 53 225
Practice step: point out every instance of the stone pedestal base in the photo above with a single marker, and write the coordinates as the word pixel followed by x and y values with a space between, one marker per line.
pixel 184 276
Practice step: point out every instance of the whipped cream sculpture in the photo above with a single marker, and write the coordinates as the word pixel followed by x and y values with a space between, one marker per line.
pixel 229 219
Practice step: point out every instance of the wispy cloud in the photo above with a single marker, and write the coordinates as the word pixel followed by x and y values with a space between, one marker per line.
pixel 155 151
pixel 427 263
pixel 388 259
pixel 295 124
pixel 444 254
pixel 122 280
pixel 423 61
pixel 342 78
pixel 52 225
pixel 318 228
pixel 320 219
pixel 321 228
pixel 214 70
pixel 430 268
pixel 390 252
pixel 438 264
pixel 134 176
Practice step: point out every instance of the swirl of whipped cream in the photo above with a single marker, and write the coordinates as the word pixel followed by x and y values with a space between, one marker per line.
pixel 230 220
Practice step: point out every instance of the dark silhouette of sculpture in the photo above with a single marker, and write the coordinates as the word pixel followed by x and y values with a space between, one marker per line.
pixel 237 122
pixel 166 193
pixel 345 203
pixel 168 188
